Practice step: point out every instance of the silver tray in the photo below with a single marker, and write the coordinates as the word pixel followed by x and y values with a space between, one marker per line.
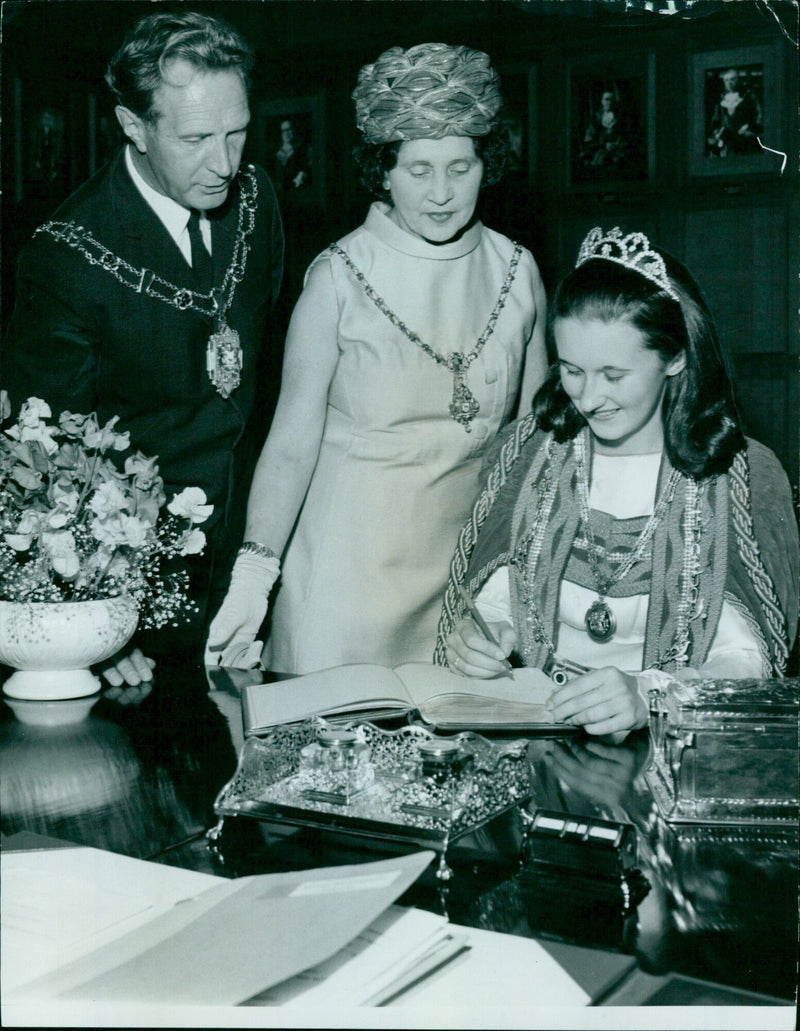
pixel 402 800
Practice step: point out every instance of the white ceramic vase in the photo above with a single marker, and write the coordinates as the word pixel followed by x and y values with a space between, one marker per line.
pixel 51 645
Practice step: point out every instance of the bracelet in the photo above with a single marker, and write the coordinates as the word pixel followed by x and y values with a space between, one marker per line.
pixel 254 548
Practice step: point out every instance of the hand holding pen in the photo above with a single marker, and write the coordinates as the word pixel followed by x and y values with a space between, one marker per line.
pixel 482 654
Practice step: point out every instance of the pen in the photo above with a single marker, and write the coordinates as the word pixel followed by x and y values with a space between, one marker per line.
pixel 481 622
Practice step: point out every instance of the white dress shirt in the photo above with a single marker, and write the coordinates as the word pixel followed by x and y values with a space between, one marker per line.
pixel 173 215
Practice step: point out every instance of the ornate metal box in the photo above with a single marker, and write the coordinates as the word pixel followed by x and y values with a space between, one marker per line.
pixel 726 751
pixel 405 785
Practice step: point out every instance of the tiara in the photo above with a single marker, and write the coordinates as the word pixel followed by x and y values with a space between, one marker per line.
pixel 633 251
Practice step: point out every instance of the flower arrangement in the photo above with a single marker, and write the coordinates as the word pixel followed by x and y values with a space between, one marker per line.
pixel 76 525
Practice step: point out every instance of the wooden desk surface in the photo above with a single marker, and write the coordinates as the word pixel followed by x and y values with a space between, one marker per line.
pixel 141 780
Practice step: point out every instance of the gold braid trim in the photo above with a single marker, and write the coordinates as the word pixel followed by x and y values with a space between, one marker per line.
pixel 453 606
pixel 750 555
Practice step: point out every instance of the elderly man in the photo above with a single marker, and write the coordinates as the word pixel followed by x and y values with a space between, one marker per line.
pixel 147 294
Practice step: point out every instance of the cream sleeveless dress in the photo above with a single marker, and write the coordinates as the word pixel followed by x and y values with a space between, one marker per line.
pixel 365 569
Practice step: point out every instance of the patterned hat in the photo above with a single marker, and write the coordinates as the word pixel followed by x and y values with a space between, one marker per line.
pixel 427 92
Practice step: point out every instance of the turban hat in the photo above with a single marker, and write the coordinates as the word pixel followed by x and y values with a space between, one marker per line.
pixel 427 92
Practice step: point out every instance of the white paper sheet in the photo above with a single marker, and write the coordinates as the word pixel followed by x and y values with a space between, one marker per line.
pixel 366 965
pixel 218 942
pixel 59 904
pixel 500 971
pixel 62 905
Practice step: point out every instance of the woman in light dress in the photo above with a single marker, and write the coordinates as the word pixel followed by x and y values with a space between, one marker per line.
pixel 416 338
pixel 628 532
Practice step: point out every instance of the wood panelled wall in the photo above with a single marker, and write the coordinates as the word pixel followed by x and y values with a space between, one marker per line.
pixel 736 229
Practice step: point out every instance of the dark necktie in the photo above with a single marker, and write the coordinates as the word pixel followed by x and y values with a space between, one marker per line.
pixel 202 264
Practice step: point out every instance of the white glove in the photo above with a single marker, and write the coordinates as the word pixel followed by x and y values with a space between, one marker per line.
pixel 231 637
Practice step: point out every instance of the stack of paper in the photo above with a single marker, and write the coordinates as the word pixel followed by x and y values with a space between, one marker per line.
pixel 396 952
pixel 59 905
pixel 81 924
pixel 92 929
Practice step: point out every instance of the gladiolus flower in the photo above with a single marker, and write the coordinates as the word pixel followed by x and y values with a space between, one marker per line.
pixel 146 507
pixel 57 519
pixel 31 427
pixel 77 425
pixel 135 531
pixel 143 470
pixel 28 479
pixel 109 531
pixel 82 526
pixel 33 410
pixel 30 523
pixel 18 541
pixel 65 496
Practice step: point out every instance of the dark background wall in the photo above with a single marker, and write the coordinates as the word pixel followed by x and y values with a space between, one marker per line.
pixel 733 220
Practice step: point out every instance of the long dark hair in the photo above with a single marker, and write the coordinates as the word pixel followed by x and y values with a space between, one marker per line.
pixel 702 427
pixel 374 160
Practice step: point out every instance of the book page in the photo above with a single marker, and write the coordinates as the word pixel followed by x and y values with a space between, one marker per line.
pixel 443 697
pixel 461 710
pixel 357 689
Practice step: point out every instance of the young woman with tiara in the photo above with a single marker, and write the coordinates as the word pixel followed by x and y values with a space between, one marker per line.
pixel 627 531
pixel 415 340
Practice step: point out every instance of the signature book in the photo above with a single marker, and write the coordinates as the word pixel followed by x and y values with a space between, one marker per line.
pixel 443 699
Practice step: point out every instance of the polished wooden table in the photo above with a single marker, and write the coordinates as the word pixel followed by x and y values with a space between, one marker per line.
pixel 718 919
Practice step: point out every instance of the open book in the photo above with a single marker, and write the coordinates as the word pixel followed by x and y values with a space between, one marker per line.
pixel 363 691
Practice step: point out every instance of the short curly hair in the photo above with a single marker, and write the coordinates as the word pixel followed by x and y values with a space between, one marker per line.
pixel 374 160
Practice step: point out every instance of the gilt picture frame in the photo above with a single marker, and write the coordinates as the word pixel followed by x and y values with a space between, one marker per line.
pixel 734 115
pixel 517 121
pixel 287 137
pixel 611 121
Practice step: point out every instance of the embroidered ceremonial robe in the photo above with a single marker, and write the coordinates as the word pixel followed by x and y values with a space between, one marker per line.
pixel 748 550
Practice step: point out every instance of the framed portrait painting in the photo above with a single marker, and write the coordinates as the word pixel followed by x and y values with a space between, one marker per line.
pixel 288 139
pixel 611 127
pixel 43 136
pixel 517 121
pixel 734 111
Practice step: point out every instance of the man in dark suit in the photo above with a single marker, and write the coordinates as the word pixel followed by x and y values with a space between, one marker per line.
pixel 147 294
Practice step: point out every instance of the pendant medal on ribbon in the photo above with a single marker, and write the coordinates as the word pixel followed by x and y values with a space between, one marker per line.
pixel 463 404
pixel 224 359
pixel 601 623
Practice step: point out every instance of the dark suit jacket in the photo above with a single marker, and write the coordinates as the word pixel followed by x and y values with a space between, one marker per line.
pixel 85 342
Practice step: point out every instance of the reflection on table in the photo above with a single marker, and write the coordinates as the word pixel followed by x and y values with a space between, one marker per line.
pixel 131 779
pixel 706 901
pixel 722 903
